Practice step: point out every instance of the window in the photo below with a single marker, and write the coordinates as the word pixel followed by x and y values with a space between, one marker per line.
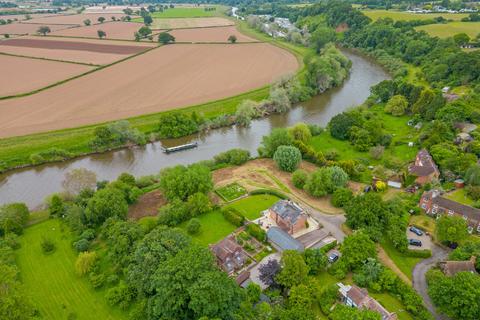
pixel 424 206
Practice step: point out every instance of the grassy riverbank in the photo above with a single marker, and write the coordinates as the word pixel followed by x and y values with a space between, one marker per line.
pixel 16 151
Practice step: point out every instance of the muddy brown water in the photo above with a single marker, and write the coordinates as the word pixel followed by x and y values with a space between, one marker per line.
pixel 32 185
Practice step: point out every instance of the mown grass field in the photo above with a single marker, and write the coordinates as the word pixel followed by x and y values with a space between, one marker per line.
pixel 402 16
pixel 251 207
pixel 180 12
pixel 51 281
pixel 451 29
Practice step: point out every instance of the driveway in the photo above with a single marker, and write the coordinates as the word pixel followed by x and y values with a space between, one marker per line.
pixel 419 281
pixel 331 223
pixel 427 243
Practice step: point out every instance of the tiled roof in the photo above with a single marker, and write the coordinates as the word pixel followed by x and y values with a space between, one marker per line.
pixel 470 212
pixel 283 240
pixel 424 164
pixel 451 268
pixel 288 210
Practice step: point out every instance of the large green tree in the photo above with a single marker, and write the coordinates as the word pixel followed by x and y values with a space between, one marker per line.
pixel 181 182
pixel 106 203
pixel 356 249
pixel 451 229
pixel 278 137
pixel 13 217
pixel 294 269
pixel 14 302
pixel 287 158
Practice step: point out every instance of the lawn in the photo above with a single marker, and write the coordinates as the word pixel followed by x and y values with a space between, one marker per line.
pixel 459 195
pixel 451 29
pixel 231 192
pixel 214 227
pixel 252 206
pixel 424 222
pixel 404 263
pixel 51 280
pixel 392 304
pixel 398 15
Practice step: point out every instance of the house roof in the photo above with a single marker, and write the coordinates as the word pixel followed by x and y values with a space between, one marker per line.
pixel 225 248
pixel 470 212
pixel 361 299
pixel 357 294
pixel 451 268
pixel 288 210
pixel 283 240
pixel 424 164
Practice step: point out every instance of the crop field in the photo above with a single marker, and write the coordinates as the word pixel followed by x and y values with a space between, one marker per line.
pixel 20 17
pixel 82 51
pixel 218 34
pixel 399 15
pixel 451 29
pixel 40 73
pixel 75 18
pixel 185 12
pixel 177 76
pixel 114 30
pixel 27 28
pixel 51 280
pixel 183 23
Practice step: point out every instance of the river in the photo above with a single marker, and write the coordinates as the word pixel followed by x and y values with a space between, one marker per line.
pixel 32 185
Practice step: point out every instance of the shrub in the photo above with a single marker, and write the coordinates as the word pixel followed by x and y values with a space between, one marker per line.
pixel 397 105
pixel 377 152
pixel 48 246
pixel 96 279
pixel 246 111
pixel 81 245
pixel 287 158
pixel 255 231
pixel 233 157
pixel 176 124
pixel 50 155
pixel 326 180
pixel 268 191
pixel 144 181
pixel 116 134
pixel 341 197
pixel 419 253
pixel 85 262
pixel 299 178
pixel 300 132
pixel 193 226
pixel 233 216
pixel 13 217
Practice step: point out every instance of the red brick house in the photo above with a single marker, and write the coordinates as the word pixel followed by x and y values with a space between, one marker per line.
pixel 289 216
pixel 230 256
pixel 424 168
pixel 436 205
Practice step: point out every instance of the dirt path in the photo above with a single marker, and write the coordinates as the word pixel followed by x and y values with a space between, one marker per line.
pixel 385 259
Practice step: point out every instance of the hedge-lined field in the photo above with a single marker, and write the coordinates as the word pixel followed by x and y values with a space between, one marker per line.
pixel 403 16
pixel 451 29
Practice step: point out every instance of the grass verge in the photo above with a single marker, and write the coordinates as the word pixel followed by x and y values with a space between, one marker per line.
pixel 403 262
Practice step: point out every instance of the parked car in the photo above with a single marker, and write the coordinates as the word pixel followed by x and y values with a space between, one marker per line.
pixel 333 257
pixel 417 231
pixel 415 242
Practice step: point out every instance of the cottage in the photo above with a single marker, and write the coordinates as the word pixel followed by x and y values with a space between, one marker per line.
pixel 436 205
pixel 450 268
pixel 230 256
pixel 281 240
pixel 356 297
pixel 289 216
pixel 424 168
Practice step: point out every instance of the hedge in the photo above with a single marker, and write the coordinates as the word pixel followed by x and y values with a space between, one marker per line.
pixel 233 216
pixel 255 231
pixel 268 191
pixel 419 253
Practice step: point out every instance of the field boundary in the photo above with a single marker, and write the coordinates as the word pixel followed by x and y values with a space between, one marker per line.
pixel 48 59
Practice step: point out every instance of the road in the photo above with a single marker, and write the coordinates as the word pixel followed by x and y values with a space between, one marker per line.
pixel 419 281
pixel 332 223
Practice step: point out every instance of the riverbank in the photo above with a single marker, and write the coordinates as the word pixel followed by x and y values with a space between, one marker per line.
pixel 15 152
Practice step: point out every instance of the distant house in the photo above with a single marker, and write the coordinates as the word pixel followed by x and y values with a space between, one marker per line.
pixel 281 240
pixel 289 216
pixel 450 268
pixel 356 297
pixel 424 168
pixel 230 256
pixel 436 205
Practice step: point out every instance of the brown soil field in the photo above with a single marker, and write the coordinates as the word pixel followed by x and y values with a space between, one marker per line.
pixel 218 34
pixel 25 75
pixel 109 9
pixel 75 18
pixel 20 17
pixel 179 23
pixel 114 30
pixel 84 50
pixel 165 78
pixel 26 28
pixel 147 205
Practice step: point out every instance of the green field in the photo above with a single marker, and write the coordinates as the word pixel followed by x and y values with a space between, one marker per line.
pixel 399 15
pixel 56 290
pixel 186 13
pixel 459 195
pixel 252 206
pixel 214 227
pixel 404 263
pixel 451 29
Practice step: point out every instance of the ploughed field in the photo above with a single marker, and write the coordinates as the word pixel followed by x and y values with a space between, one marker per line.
pixel 73 50
pixel 114 30
pixel 182 23
pixel 24 75
pixel 164 78
pixel 217 34
pixel 17 28
pixel 76 19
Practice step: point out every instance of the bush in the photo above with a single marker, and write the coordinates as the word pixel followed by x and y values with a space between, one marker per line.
pixel 255 231
pixel 85 262
pixel 50 155
pixel 268 191
pixel 341 197
pixel 81 245
pixel 233 216
pixel 13 217
pixel 308 153
pixel 48 246
pixel 193 226
pixel 96 279
pixel 116 134
pixel 299 178
pixel 233 157
pixel 325 181
pixel 419 253
pixel 176 124
pixel 287 158
pixel 145 181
